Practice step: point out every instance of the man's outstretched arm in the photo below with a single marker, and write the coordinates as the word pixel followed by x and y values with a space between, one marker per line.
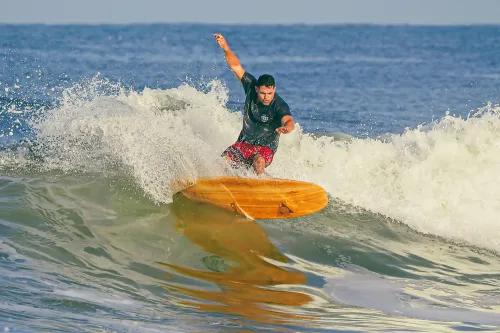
pixel 287 125
pixel 231 58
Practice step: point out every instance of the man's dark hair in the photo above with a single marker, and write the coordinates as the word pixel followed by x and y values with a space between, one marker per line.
pixel 266 80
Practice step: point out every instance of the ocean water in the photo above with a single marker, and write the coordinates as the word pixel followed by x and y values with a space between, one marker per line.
pixel 399 124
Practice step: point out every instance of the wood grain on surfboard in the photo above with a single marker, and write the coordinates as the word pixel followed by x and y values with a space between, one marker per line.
pixel 260 198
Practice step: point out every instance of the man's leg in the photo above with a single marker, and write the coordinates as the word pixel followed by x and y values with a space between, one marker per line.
pixel 262 159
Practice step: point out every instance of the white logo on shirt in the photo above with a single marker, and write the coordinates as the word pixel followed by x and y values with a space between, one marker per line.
pixel 264 118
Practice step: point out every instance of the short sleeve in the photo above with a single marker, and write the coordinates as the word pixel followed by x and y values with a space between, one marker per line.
pixel 248 80
pixel 282 109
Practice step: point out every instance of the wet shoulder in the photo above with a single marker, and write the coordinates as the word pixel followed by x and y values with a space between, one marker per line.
pixel 280 105
pixel 248 81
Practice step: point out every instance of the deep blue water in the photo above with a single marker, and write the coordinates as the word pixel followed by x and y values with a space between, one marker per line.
pixel 91 240
pixel 360 80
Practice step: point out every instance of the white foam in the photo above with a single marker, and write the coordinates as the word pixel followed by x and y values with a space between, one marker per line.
pixel 10 251
pixel 106 321
pixel 409 298
pixel 160 135
pixel 441 179
pixel 110 300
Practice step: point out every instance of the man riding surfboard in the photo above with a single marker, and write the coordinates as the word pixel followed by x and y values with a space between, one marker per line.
pixel 266 115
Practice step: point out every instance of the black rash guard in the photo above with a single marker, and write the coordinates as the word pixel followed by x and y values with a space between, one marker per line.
pixel 261 121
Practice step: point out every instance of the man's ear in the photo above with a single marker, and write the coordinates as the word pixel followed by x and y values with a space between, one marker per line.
pixel 257 89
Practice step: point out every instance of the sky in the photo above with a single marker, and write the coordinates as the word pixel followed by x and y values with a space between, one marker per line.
pixel 417 12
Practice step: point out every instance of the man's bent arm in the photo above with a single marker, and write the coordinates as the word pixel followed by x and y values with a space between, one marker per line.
pixel 287 121
pixel 287 125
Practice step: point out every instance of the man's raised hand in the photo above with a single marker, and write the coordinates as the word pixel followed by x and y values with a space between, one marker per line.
pixel 221 41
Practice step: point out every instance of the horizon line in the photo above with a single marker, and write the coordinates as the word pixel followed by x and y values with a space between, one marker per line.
pixel 251 23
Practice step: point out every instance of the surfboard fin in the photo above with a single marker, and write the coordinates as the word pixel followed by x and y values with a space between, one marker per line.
pixel 284 210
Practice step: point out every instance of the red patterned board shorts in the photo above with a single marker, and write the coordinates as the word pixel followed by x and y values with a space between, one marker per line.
pixel 242 153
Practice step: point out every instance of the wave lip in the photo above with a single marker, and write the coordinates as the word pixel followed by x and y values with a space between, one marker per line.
pixel 439 179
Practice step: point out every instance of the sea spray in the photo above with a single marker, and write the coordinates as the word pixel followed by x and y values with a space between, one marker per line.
pixel 441 178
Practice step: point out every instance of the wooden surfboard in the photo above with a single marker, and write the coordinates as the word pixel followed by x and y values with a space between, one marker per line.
pixel 260 198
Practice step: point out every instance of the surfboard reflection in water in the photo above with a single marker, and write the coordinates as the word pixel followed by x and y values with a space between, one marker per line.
pixel 237 265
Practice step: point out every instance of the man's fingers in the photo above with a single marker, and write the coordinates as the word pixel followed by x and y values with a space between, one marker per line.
pixel 219 39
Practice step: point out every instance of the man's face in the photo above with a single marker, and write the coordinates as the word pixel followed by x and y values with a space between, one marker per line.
pixel 265 94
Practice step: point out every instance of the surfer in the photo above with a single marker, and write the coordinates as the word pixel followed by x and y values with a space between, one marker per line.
pixel 266 115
